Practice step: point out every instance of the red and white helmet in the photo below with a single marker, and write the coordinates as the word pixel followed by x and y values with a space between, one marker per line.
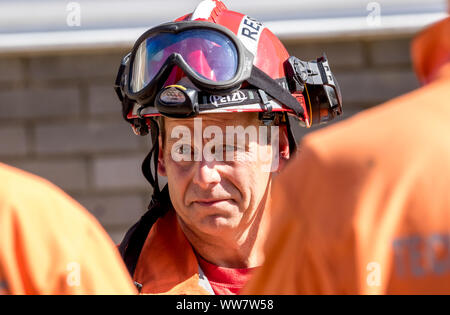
pixel 257 73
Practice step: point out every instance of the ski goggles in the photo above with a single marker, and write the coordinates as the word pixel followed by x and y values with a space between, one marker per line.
pixel 210 55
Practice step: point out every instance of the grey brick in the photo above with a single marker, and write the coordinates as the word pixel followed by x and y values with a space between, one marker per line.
pixel 103 100
pixel 11 69
pixel 113 211
pixel 375 86
pixel 340 54
pixel 391 52
pixel 70 175
pixel 80 66
pixel 85 137
pixel 119 173
pixel 39 103
pixel 13 141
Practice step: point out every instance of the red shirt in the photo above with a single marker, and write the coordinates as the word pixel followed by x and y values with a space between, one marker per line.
pixel 225 281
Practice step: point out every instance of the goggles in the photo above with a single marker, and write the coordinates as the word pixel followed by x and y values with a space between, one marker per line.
pixel 210 55
pixel 217 63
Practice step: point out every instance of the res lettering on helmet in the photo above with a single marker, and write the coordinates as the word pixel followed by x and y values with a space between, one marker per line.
pixel 249 32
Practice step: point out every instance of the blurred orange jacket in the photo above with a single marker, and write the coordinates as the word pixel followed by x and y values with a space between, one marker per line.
pixel 365 207
pixel 49 244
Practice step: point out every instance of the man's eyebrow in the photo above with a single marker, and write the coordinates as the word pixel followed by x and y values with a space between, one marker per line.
pixel 173 140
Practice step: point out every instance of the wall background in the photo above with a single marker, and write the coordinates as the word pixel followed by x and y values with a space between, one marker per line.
pixel 60 119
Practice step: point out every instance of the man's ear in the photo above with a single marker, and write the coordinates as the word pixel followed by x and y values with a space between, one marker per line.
pixel 161 164
pixel 283 147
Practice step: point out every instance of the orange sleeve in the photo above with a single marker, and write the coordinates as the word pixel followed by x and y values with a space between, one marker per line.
pixel 49 244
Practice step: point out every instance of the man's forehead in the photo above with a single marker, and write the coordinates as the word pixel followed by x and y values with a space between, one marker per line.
pixel 220 120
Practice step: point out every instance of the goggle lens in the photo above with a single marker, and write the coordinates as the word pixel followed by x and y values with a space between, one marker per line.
pixel 211 54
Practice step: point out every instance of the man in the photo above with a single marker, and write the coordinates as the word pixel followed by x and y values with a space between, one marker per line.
pixel 374 216
pixel 224 85
pixel 49 244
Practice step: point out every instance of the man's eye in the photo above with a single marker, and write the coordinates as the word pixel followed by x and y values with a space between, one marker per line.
pixel 183 149
pixel 235 148
pixel 229 148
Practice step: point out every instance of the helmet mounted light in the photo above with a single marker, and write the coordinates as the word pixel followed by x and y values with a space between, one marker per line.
pixel 315 80
pixel 177 101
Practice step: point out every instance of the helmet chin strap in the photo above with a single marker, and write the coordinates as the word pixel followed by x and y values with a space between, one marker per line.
pixel 154 151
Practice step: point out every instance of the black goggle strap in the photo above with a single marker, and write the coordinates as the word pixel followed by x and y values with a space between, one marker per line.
pixel 264 82
pixel 119 78
pixel 266 86
pixel 208 101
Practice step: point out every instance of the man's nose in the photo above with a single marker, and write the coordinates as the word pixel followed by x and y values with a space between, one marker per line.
pixel 206 174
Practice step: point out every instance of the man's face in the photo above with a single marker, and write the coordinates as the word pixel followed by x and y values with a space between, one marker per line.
pixel 216 185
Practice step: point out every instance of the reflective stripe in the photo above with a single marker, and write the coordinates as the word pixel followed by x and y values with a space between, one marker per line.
pixel 204 282
pixel 203 10
pixel 256 107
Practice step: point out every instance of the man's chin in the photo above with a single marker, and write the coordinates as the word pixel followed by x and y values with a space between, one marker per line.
pixel 216 217
pixel 216 224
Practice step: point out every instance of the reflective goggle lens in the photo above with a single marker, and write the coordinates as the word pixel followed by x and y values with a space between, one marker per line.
pixel 211 54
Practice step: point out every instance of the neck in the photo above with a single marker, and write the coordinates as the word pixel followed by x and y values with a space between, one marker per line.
pixel 241 249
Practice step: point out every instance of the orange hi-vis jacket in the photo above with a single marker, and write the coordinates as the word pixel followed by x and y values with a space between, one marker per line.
pixel 365 206
pixel 167 263
pixel 49 244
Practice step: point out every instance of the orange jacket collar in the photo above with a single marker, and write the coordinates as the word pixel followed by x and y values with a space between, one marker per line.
pixel 431 50
pixel 167 264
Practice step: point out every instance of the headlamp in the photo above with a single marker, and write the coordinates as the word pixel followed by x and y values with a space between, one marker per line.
pixel 210 55
pixel 177 101
pixel 317 83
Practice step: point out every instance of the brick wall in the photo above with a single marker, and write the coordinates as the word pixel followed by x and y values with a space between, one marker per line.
pixel 59 117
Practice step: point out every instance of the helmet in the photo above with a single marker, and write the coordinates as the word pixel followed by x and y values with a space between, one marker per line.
pixel 254 71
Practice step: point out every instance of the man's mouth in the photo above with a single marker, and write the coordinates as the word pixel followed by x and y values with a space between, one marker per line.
pixel 210 202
